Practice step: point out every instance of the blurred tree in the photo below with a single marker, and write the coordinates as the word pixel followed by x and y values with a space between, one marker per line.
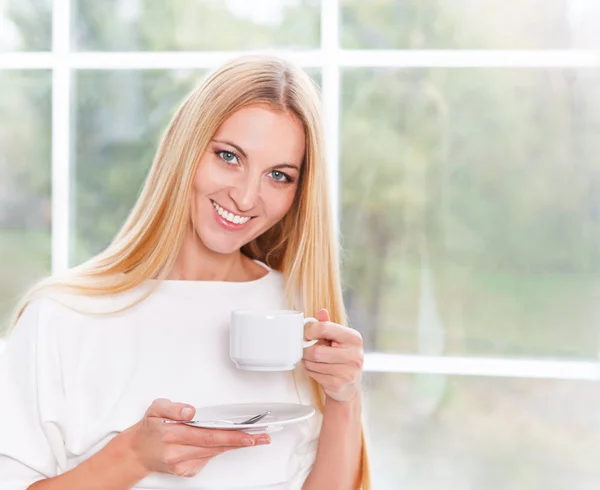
pixel 25 147
pixel 177 25
pixel 33 19
pixel 490 171
pixel 25 196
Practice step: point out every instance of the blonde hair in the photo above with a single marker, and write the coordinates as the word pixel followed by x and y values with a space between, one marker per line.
pixel 303 245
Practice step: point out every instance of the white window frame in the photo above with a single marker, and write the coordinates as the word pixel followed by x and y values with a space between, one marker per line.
pixel 330 58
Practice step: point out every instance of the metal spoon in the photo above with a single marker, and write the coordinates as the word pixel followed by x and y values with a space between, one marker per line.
pixel 251 420
pixel 254 419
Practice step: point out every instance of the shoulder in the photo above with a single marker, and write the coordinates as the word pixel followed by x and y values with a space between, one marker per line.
pixel 28 320
pixel 29 329
pixel 62 304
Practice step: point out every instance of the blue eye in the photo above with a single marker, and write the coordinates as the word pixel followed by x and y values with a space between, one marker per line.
pixel 228 156
pixel 278 176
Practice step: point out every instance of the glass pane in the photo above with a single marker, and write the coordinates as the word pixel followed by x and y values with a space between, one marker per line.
pixel 471 210
pixel 25 183
pixel 119 119
pixel 147 25
pixel 25 25
pixel 470 24
pixel 433 432
pixel 120 116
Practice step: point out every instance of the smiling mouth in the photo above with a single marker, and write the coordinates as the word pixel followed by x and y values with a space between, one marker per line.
pixel 229 216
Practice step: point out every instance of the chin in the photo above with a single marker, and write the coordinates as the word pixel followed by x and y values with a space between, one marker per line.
pixel 222 248
pixel 217 245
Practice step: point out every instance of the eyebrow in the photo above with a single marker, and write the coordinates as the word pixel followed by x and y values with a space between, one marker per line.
pixel 243 153
pixel 287 165
pixel 225 142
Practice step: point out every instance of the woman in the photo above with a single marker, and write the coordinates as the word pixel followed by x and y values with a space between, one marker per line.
pixel 233 215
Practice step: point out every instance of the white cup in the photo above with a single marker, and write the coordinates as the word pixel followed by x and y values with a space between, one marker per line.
pixel 267 340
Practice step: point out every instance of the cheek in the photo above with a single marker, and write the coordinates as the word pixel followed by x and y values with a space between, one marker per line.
pixel 280 204
pixel 209 177
pixel 199 175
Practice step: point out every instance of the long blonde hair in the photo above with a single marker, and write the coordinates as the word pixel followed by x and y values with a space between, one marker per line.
pixel 303 246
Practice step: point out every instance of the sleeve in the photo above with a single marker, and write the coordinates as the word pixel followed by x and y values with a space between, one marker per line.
pixel 31 397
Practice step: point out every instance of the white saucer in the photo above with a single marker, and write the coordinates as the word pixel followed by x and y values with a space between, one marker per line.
pixel 224 416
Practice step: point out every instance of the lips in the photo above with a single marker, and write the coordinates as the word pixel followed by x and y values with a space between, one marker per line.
pixel 229 216
pixel 229 220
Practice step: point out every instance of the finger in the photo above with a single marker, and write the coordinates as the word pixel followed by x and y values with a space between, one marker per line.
pixel 190 460
pixel 337 370
pixel 167 409
pixel 329 383
pixel 332 355
pixel 334 332
pixel 177 454
pixel 190 468
pixel 196 436
pixel 323 315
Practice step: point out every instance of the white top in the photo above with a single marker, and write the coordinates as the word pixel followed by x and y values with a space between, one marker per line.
pixel 71 381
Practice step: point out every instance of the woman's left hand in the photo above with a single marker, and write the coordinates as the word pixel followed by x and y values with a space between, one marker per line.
pixel 336 364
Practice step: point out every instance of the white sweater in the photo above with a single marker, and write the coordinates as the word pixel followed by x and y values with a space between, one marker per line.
pixel 71 381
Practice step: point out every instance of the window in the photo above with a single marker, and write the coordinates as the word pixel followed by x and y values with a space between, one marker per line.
pixel 25 180
pixel 470 209
pixel 463 146
pixel 25 25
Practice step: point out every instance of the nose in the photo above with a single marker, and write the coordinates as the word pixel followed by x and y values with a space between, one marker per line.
pixel 246 193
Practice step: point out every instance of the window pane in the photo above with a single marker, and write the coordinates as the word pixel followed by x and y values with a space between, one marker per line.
pixel 147 25
pixel 25 183
pixel 471 210
pixel 470 24
pixel 25 25
pixel 120 117
pixel 432 432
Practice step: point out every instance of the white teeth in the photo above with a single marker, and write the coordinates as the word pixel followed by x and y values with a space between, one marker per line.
pixel 230 216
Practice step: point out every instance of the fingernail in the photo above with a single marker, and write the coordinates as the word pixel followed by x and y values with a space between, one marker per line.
pixel 263 440
pixel 247 442
pixel 187 412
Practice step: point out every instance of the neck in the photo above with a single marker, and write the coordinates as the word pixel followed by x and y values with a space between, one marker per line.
pixel 197 263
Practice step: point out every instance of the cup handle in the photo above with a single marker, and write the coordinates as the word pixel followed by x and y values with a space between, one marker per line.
pixel 308 343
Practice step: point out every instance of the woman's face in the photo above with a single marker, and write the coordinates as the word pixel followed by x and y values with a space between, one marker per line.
pixel 247 178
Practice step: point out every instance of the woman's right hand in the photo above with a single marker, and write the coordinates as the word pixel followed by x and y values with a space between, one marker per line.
pixel 179 449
